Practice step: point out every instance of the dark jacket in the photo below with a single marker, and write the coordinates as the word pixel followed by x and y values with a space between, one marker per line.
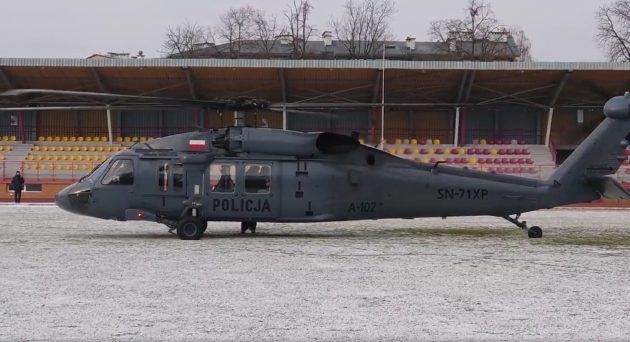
pixel 17 182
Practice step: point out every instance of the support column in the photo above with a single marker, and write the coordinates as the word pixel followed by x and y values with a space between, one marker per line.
pixel 456 134
pixel 109 126
pixel 284 118
pixel 549 120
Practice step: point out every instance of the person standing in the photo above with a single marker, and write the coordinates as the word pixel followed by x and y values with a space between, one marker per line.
pixel 17 184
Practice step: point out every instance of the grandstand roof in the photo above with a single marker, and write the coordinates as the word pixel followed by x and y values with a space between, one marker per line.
pixel 539 84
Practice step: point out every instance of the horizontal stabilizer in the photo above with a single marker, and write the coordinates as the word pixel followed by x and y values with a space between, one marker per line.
pixel 609 188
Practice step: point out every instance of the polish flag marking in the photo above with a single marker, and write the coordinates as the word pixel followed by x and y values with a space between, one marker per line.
pixel 197 144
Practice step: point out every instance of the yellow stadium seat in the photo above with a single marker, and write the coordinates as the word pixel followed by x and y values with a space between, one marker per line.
pixel 119 139
pixel 68 148
pixel 54 158
pixel 62 158
pixel 39 157
pixel 99 149
pixel 88 139
pixel 494 151
pixel 30 157
pixel 41 139
pixel 86 167
pixel 49 138
pixel 78 158
pixel 483 142
pixel 143 139
pixel 462 151
pixel 1 148
pixel 430 151
pixel 1 157
pixel 96 158
pixel 415 151
pixel 36 148
pixel 76 148
pixel 66 167
pixel 80 139
pixel 84 148
pixel 104 139
pixel 5 138
pixel 12 138
pixel 44 148
pixel 414 142
pixel 64 139
pixel 134 139
pixel 103 158
pixel 436 142
pixel 75 167
pixel 91 148
pixel 57 139
pixel 472 160
pixel 398 141
pixel 127 139
pixel 70 158
pixel 73 139
pixel 150 138
pixel 25 166
pixel 425 160
pixel 50 167
pixel 58 167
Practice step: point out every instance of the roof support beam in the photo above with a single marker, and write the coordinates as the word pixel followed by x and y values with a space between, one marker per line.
pixel 6 79
pixel 560 87
pixel 462 86
pixel 596 89
pixel 99 80
pixel 515 96
pixel 190 82
pixel 376 90
pixel 471 81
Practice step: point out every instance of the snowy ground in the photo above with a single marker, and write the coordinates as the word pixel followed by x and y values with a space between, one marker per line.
pixel 69 277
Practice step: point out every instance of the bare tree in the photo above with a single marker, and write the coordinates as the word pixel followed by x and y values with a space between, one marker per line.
pixel 265 32
pixel 613 30
pixel 478 36
pixel 184 41
pixel 364 26
pixel 523 43
pixel 236 28
pixel 299 28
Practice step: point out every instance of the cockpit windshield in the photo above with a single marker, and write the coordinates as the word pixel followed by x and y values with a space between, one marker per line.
pixel 96 172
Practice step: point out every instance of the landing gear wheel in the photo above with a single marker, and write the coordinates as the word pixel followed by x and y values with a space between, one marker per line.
pixel 248 225
pixel 535 232
pixel 190 228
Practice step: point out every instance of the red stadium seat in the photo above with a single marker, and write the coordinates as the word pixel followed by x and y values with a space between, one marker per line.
pixel 522 142
pixel 423 151
pixel 481 160
pixel 486 151
pixel 408 151
pixel 449 160
pixel 439 151
pixel 471 151
pixel 627 152
pixel 521 161
pixel 502 151
pixel 432 160
pixel 513 161
pixel 505 161
pixel 510 151
pixel 626 162
pixel 529 161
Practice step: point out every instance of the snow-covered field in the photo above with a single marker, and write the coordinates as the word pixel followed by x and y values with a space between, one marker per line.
pixel 69 277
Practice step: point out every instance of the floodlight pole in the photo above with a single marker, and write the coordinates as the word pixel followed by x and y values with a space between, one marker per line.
pixel 109 125
pixel 382 143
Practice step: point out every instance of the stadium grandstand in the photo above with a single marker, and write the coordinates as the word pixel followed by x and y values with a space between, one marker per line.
pixel 504 117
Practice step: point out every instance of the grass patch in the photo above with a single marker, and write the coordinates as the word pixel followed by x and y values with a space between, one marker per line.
pixel 462 232
pixel 595 241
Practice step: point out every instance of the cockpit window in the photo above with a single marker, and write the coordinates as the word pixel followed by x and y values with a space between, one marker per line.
pixel 120 173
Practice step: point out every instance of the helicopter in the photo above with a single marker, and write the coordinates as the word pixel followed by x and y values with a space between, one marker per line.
pixel 252 175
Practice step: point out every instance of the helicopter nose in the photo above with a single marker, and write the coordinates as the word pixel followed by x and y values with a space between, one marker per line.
pixel 62 200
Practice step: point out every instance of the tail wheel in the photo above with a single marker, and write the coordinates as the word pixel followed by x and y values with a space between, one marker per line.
pixel 190 228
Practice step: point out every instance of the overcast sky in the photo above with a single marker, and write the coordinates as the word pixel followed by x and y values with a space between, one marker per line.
pixel 560 30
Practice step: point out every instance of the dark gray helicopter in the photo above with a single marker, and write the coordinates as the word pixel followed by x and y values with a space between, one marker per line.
pixel 255 175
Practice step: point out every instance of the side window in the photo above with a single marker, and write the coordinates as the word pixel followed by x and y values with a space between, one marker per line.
pixel 222 177
pixel 163 177
pixel 178 177
pixel 120 173
pixel 257 178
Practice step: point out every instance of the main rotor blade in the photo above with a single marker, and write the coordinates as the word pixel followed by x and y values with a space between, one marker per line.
pixel 239 103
